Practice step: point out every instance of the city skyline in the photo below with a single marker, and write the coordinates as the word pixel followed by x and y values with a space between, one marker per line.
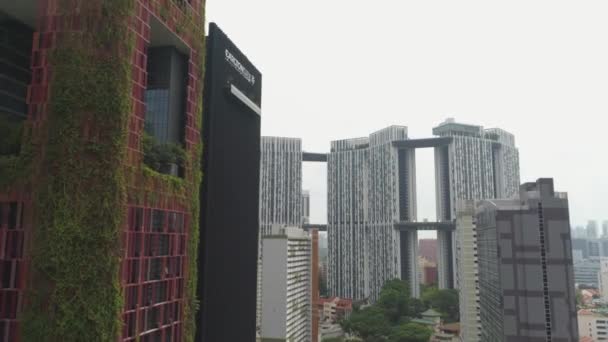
pixel 379 195
pixel 448 67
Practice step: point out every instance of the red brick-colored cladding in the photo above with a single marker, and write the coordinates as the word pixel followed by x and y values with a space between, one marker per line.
pixel 144 10
pixel 154 308
pixel 50 26
pixel 154 274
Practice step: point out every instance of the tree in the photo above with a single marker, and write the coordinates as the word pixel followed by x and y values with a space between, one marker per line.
pixel 410 332
pixel 444 301
pixel 417 307
pixel 371 324
pixel 394 299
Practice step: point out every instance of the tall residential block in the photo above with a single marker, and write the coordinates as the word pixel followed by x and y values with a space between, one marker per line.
pixel 371 185
pixel 372 218
pixel 280 191
pixel 315 295
pixel 478 164
pixel 526 278
pixel 280 182
pixel 98 233
pixel 286 286
pixel 467 275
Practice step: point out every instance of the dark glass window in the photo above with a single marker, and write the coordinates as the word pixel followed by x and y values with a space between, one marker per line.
pixel 15 74
pixel 166 94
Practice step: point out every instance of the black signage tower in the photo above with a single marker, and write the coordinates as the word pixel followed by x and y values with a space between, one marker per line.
pixel 230 194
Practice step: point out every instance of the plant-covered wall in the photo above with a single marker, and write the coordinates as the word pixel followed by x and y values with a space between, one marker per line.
pixel 77 157
pixel 74 292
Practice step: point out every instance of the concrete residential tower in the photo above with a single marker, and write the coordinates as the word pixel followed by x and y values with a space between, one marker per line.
pixel 370 187
pixel 280 192
pixel 280 182
pixel 372 219
pixel 478 164
pixel 526 278
pixel 286 286
pixel 466 249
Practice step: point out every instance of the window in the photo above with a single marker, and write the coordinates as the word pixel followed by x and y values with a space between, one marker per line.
pixel 165 99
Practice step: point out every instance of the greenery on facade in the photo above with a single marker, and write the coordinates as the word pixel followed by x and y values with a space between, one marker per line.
pixel 11 131
pixel 74 292
pixel 15 157
pixel 81 180
pixel 390 319
pixel 159 157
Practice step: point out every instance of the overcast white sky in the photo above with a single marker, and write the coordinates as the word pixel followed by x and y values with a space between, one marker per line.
pixel 335 69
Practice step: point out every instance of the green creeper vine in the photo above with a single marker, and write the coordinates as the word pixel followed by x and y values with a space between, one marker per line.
pixel 82 183
pixel 74 291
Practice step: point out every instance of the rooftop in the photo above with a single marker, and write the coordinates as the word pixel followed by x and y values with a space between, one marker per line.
pixel 431 313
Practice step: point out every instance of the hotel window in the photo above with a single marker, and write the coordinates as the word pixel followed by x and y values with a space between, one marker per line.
pixel 15 77
pixel 165 99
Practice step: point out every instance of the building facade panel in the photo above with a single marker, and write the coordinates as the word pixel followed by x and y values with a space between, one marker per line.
pixel 287 299
pixel 526 278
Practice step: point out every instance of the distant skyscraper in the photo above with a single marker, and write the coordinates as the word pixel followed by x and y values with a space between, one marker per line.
pixel 580 232
pixel 526 280
pixel 605 229
pixel 586 272
pixel 286 286
pixel 582 245
pixel 280 191
pixel 478 164
pixel 594 247
pixel 592 229
pixel 305 207
pixel 466 276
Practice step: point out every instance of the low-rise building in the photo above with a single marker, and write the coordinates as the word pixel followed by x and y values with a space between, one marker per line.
pixel 335 309
pixel 593 324
pixel 428 271
pixel 330 330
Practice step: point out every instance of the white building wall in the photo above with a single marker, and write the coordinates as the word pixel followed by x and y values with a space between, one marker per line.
pixel 467 272
pixel 280 192
pixel 363 205
pixel 286 290
pixel 348 248
pixel 603 278
pixel 593 325
pixel 483 164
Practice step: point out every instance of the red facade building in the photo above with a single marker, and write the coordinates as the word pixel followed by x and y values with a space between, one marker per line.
pixel 428 249
pixel 97 243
